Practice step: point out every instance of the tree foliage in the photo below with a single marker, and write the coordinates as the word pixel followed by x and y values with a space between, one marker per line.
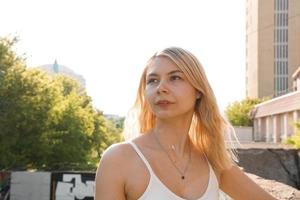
pixel 238 111
pixel 47 122
pixel 294 140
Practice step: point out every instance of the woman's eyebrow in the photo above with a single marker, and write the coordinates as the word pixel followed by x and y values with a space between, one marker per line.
pixel 175 71
pixel 169 73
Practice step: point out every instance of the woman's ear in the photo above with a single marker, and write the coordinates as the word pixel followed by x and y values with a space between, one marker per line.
pixel 198 96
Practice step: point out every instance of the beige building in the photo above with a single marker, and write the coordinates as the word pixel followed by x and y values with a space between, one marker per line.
pixel 272 46
pixel 274 120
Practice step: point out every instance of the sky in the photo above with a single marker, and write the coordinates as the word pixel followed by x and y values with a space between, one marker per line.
pixel 108 42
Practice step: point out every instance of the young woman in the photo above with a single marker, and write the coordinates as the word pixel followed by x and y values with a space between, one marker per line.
pixel 180 151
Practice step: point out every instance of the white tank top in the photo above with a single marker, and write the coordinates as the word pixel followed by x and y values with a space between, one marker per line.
pixel 157 190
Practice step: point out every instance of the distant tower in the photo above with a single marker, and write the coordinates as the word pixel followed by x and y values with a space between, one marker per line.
pixel 55 67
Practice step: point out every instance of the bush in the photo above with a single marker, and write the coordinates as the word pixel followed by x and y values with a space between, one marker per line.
pixel 294 140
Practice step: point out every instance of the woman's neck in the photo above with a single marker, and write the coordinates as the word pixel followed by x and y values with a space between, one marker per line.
pixel 173 134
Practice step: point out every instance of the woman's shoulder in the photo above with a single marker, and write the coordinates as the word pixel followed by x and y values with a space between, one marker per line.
pixel 117 151
pixel 113 171
pixel 117 157
pixel 124 151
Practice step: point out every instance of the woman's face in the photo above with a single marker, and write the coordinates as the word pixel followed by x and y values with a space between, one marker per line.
pixel 168 91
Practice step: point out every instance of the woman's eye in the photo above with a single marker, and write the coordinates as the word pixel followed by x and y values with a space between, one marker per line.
pixel 152 80
pixel 175 78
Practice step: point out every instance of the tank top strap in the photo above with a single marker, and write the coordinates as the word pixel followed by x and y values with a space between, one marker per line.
pixel 211 171
pixel 141 155
pixel 207 160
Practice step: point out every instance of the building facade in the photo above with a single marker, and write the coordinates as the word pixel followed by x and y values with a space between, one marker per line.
pixel 272 46
pixel 274 120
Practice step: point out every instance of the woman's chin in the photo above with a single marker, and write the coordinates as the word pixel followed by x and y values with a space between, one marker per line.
pixel 165 115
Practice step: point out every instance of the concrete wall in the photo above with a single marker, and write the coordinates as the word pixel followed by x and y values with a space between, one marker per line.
pixel 244 134
pixel 52 185
pixel 30 186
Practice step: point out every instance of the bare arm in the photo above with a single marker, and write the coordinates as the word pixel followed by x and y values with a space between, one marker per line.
pixel 110 177
pixel 239 186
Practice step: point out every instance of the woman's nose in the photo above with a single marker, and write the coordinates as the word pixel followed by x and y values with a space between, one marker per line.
pixel 162 87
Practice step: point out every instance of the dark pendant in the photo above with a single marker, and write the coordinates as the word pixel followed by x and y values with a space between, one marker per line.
pixel 182 177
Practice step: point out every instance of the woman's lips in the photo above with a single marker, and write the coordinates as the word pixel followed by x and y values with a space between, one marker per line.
pixel 163 103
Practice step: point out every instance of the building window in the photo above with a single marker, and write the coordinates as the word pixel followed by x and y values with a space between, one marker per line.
pixel 280 46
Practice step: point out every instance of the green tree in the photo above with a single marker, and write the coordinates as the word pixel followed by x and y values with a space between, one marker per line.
pixel 105 134
pixel 47 122
pixel 238 111
pixel 70 126
pixel 8 58
pixel 26 99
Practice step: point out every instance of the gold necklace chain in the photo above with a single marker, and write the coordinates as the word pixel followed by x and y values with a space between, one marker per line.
pixel 182 173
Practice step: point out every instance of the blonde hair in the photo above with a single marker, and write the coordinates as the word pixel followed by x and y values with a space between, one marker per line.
pixel 208 127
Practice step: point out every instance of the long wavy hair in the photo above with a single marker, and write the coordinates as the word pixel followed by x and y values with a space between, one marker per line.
pixel 208 127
